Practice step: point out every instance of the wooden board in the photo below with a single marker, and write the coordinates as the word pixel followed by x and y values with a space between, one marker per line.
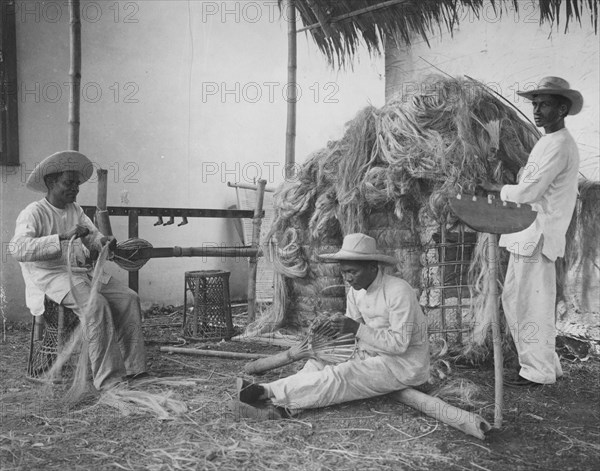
pixel 492 215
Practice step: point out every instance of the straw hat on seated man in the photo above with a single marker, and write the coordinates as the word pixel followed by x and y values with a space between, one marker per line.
pixel 44 228
pixel 383 313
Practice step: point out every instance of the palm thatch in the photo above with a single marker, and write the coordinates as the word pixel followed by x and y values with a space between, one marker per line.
pixel 338 26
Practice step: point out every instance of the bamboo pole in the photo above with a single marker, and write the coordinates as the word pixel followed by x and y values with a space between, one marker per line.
pixel 253 264
pixel 213 353
pixel 290 134
pixel 492 304
pixel 74 73
pixel 467 422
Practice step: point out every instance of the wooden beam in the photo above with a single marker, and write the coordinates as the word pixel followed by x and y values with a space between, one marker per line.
pixel 324 18
pixel 493 311
pixel 256 225
pixel 9 119
pixel 102 219
pixel 133 233
pixel 206 251
pixel 247 186
pixel 177 212
pixel 362 11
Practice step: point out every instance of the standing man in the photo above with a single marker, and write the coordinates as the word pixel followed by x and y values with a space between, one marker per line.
pixel 549 183
pixel 383 313
pixel 113 327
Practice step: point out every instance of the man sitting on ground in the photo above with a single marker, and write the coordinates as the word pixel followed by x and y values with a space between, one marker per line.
pixel 393 350
pixel 113 327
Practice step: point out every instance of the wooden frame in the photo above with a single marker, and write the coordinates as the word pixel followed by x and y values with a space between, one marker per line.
pixel 252 252
pixel 9 122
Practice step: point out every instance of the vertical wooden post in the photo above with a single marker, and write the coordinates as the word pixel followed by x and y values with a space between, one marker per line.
pixel 133 233
pixel 290 135
pixel 492 303
pixel 442 265
pixel 102 219
pixel 9 119
pixel 256 224
pixel 74 73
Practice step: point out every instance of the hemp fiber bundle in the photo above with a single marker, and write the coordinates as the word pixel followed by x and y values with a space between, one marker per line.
pixel 404 160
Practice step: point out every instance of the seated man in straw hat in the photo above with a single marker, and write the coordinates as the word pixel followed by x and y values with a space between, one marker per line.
pixel 393 350
pixel 549 183
pixel 44 228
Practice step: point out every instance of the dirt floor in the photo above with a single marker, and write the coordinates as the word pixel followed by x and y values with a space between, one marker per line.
pixel 545 428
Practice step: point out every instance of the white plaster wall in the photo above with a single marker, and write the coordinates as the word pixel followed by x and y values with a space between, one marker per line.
pixel 163 125
pixel 511 51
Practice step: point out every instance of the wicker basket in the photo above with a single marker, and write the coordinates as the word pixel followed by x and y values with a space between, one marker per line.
pixel 49 333
pixel 210 316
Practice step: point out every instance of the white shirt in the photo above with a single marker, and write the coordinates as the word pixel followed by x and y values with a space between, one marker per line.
pixel 43 257
pixel 549 184
pixel 392 323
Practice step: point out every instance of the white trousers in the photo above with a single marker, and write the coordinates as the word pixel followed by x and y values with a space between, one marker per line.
pixel 319 385
pixel 529 300
pixel 113 331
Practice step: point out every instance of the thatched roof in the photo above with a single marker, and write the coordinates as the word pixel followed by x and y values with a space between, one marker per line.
pixel 337 30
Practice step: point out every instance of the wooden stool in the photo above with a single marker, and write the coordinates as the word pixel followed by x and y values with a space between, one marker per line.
pixel 211 316
pixel 49 333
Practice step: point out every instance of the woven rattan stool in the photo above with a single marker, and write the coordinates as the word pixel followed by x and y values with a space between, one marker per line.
pixel 49 333
pixel 211 315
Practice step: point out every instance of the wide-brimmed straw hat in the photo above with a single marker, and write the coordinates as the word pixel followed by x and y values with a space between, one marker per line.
pixel 556 86
pixel 359 247
pixel 66 160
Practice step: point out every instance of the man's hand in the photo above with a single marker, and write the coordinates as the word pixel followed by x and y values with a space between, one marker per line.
pixel 344 325
pixel 78 231
pixel 111 241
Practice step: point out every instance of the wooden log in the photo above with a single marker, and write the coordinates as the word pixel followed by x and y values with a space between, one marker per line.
pixel 213 353
pixel 272 362
pixel 467 422
pixel 74 73
pixel 253 263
